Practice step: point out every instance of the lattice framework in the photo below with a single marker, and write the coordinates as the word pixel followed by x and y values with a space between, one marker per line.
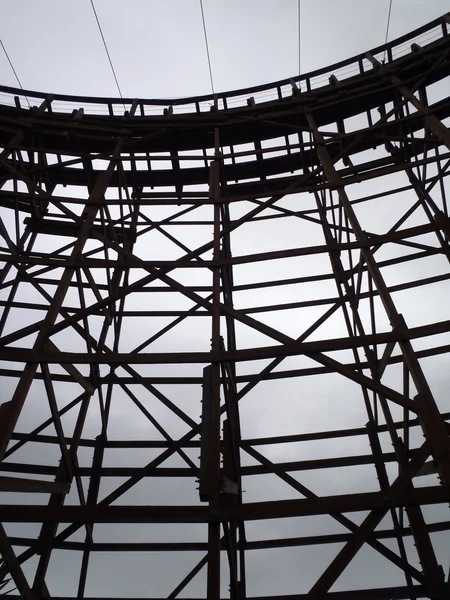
pixel 228 257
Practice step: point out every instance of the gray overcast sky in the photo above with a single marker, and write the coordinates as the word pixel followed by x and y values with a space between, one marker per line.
pixel 158 48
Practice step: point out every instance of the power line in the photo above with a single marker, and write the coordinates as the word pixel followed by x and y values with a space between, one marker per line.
pixel 106 48
pixel 13 70
pixel 207 47
pixel 388 22
pixel 387 27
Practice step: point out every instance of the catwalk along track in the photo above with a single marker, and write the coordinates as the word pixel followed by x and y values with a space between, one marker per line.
pixel 224 337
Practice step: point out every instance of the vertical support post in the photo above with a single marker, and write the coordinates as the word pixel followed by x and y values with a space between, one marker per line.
pixel 205 436
pixel 213 576
pixel 229 499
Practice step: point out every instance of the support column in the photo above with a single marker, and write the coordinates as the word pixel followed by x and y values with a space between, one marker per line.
pixel 213 575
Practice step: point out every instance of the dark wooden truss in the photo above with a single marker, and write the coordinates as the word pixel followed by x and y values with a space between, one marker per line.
pixel 273 259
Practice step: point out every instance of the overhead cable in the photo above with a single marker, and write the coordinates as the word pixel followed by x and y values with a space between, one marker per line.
pixel 387 27
pixel 388 22
pixel 13 70
pixel 207 47
pixel 106 48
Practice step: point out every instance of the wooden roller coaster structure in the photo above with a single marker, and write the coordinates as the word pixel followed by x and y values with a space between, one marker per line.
pixel 227 316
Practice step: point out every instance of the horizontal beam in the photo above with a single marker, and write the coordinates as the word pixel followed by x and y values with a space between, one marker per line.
pixel 304 465
pixel 32 486
pixel 247 310
pixel 287 349
pixel 386 593
pixel 182 472
pixel 236 192
pixel 261 441
pixel 175 380
pixel 245 512
pixel 97 263
pixel 311 540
